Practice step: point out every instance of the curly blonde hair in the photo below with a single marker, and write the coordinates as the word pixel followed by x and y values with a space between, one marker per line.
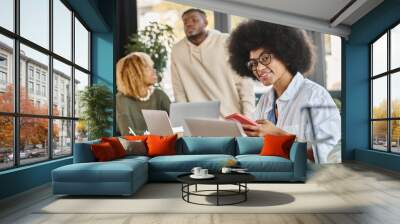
pixel 131 71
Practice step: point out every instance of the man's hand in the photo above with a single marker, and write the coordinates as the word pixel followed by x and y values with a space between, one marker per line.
pixel 263 128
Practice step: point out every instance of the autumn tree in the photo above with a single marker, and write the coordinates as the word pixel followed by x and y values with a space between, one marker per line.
pixel 380 127
pixel 33 130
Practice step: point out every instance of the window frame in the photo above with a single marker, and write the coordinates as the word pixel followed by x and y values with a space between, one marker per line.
pixel 16 114
pixel 388 74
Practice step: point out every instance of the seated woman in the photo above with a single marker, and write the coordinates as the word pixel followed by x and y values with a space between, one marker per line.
pixel 135 83
pixel 278 56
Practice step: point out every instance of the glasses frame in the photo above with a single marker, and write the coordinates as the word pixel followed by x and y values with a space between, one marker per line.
pixel 253 68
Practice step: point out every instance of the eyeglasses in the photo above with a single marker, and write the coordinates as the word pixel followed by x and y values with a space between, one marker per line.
pixel 265 59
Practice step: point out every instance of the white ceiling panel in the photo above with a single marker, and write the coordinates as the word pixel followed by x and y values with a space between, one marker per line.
pixel 326 16
pixel 321 9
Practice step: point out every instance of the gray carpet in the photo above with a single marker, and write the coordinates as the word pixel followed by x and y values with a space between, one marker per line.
pixel 166 198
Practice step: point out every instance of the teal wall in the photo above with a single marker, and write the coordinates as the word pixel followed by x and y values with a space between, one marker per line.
pixel 99 15
pixel 356 85
pixel 24 178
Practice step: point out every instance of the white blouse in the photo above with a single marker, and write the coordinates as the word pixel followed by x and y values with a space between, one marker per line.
pixel 293 116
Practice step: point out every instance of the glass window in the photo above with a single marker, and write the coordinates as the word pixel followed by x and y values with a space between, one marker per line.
pixel 7 14
pixel 379 97
pixel 3 78
pixel 3 61
pixel 81 45
pixel 30 88
pixel 333 60
pixel 62 138
pixel 385 125
pixel 395 47
pixel 395 136
pixel 81 131
pixel 30 71
pixel 34 78
pixel 35 21
pixel 379 135
pixel 62 72
pixel 395 95
pixel 235 21
pixel 62 29
pixel 43 90
pixel 40 62
pixel 6 73
pixel 6 142
pixel 81 81
pixel 37 89
pixel 379 56
pixel 34 142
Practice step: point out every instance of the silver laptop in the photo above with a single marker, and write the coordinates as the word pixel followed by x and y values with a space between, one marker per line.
pixel 213 128
pixel 179 111
pixel 157 122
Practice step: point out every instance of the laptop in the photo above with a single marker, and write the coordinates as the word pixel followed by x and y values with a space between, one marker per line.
pixel 157 122
pixel 213 128
pixel 179 111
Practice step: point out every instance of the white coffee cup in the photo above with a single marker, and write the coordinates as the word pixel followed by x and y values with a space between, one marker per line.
pixel 196 170
pixel 203 172
pixel 226 170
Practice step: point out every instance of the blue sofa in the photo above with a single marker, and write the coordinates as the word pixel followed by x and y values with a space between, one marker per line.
pixel 125 176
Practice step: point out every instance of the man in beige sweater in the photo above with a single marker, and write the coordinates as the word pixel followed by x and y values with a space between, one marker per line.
pixel 200 69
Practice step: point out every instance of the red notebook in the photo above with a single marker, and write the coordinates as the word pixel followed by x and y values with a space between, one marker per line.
pixel 241 119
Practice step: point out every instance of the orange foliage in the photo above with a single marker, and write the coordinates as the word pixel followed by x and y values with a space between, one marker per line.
pixel 33 130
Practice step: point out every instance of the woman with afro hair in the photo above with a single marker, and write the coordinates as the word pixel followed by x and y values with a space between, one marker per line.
pixel 278 56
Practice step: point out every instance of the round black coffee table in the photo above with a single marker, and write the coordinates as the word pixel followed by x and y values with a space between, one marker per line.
pixel 238 179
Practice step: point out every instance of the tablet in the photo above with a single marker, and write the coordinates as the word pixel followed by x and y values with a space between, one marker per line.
pixel 241 119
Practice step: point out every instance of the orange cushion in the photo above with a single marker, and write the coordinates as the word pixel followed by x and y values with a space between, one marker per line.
pixel 103 152
pixel 277 145
pixel 136 137
pixel 116 145
pixel 161 145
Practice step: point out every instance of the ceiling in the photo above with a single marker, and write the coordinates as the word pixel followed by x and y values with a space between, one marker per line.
pixel 325 16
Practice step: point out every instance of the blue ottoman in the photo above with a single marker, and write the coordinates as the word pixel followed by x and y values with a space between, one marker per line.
pixel 118 177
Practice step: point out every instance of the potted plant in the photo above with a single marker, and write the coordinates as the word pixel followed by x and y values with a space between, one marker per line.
pixel 96 102
pixel 156 40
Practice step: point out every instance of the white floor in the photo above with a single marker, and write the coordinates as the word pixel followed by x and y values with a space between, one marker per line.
pixel 377 189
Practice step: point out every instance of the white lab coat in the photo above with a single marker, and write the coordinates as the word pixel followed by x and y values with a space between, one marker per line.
pixel 302 93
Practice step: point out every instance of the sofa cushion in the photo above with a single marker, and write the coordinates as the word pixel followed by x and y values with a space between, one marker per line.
pixel 142 138
pixel 206 145
pixel 134 147
pixel 161 145
pixel 116 145
pixel 249 145
pixel 277 145
pixel 103 152
pixel 185 163
pixel 257 163
pixel 112 171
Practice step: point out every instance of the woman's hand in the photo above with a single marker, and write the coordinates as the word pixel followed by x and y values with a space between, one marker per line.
pixel 263 128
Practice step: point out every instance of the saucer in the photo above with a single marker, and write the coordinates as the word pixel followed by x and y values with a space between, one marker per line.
pixel 208 176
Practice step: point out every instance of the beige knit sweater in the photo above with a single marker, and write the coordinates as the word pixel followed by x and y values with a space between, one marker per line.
pixel 202 73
